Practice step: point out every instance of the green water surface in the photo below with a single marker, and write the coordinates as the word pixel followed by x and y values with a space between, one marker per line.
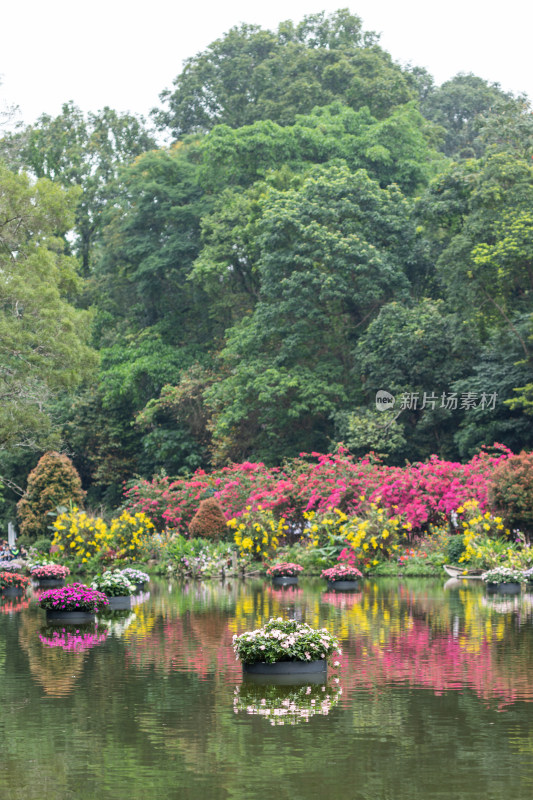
pixel 432 698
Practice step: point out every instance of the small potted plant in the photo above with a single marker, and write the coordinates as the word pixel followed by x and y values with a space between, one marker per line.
pixel 342 578
pixel 504 580
pixel 13 584
pixel 284 574
pixel 285 647
pixel 117 588
pixel 137 577
pixel 74 604
pixel 49 574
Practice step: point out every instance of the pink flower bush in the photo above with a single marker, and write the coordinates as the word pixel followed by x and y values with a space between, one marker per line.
pixel 49 572
pixel 341 573
pixel 424 492
pixel 285 570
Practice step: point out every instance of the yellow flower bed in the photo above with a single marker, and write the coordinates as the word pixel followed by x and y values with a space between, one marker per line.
pixel 79 536
pixel 257 532
pixel 128 531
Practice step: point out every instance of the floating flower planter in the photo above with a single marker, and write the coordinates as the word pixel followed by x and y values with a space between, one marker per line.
pixel 48 575
pixel 13 584
pixel 117 588
pixel 342 579
pixel 504 580
pixel 74 604
pixel 285 648
pixel 285 574
pixel 137 577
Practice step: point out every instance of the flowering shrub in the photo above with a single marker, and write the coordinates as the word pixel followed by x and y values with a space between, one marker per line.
pixel 75 597
pixel 285 705
pixel 49 572
pixel 127 533
pixel 284 640
pixel 257 532
pixel 13 580
pixel 79 536
pixel 341 573
pixel 113 584
pixel 512 490
pixel 73 641
pixel 136 575
pixel 423 493
pixel 284 570
pixel 504 575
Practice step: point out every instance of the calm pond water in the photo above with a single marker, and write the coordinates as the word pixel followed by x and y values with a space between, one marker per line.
pixel 433 698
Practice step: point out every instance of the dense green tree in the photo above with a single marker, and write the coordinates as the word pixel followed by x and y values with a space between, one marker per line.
pixel 394 150
pixel 252 74
pixel 75 149
pixel 461 106
pixel 43 346
pixel 330 255
pixel 416 353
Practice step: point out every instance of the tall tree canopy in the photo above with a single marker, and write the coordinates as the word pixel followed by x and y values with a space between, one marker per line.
pixel 43 337
pixel 253 74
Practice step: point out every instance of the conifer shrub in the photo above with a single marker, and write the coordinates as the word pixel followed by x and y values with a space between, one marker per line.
pixel 511 492
pixel 209 521
pixel 54 482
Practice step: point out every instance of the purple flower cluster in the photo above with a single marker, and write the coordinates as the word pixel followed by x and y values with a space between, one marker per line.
pixel 76 597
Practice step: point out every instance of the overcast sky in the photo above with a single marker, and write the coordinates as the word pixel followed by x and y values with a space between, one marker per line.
pixel 123 54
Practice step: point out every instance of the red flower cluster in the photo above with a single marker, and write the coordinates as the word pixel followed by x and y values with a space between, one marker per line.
pixel 13 580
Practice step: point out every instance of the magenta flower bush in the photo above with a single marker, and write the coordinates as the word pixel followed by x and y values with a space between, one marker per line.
pixel 284 570
pixel 342 573
pixel 13 580
pixel 76 597
pixel 49 572
pixel 424 493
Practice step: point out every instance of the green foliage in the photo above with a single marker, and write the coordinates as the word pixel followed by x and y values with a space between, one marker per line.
pixel 43 338
pixel 81 151
pixel 54 482
pixel 330 255
pixel 455 548
pixel 512 491
pixel 253 74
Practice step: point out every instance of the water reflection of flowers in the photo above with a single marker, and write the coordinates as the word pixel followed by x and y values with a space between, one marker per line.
pixel 11 606
pixel 502 604
pixel 77 641
pixel 342 599
pixel 117 625
pixel 285 705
